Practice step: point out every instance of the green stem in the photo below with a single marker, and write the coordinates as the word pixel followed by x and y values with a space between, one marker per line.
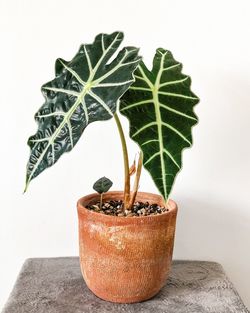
pixel 101 195
pixel 126 163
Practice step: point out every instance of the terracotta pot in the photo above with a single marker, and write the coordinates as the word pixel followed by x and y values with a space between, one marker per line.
pixel 125 259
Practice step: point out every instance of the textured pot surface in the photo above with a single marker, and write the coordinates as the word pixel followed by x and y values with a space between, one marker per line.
pixel 125 259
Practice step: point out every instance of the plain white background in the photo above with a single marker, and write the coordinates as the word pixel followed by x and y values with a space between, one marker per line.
pixel 211 39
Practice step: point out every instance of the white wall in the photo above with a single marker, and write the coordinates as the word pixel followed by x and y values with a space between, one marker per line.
pixel 211 38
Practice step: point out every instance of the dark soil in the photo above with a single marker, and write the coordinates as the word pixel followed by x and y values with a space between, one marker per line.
pixel 115 208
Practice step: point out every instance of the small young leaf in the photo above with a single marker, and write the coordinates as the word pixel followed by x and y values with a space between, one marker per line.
pixel 102 185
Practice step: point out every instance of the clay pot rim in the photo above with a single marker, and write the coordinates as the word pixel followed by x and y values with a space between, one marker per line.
pixel 172 206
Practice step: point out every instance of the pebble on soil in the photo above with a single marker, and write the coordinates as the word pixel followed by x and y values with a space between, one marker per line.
pixel 115 208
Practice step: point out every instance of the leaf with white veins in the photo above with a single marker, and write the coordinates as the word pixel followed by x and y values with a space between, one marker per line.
pixel 159 106
pixel 85 90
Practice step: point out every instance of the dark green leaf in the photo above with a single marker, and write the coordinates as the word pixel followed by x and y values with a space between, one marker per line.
pixel 159 106
pixel 86 89
pixel 102 185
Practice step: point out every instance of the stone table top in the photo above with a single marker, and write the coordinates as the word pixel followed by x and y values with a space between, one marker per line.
pixel 55 285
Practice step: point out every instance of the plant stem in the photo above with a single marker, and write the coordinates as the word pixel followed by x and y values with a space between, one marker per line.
pixel 101 195
pixel 137 179
pixel 126 163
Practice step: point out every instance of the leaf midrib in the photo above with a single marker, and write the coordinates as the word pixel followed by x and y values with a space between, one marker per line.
pixel 159 124
pixel 155 92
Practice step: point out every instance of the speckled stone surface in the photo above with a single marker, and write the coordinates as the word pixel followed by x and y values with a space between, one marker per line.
pixel 54 285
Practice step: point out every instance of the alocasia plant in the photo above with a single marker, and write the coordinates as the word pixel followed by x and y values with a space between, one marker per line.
pixel 158 103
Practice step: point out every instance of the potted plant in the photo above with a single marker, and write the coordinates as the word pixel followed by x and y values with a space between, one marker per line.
pixel 126 237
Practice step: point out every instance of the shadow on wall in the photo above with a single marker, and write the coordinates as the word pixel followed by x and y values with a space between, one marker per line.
pixel 216 232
